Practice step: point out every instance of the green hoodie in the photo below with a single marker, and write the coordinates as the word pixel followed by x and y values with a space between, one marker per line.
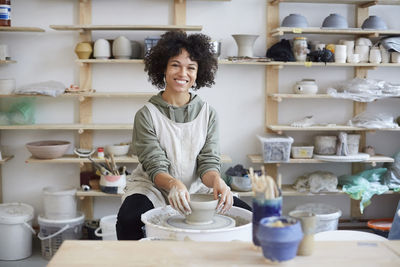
pixel 147 147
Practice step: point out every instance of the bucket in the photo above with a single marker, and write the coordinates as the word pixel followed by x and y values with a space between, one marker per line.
pixel 59 203
pixel 15 231
pixel 107 227
pixel 353 143
pixel 327 216
pixel 54 232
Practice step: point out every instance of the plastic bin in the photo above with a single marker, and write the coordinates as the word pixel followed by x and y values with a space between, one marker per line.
pixel 275 147
pixel 327 216
pixel 54 232
pixel 15 231
pixel 302 152
pixel 107 228
pixel 381 226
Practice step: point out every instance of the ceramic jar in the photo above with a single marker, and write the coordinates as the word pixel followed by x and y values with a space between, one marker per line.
pixel 121 48
pixel 300 49
pixel 136 49
pixel 102 49
pixel 306 86
pixel 83 50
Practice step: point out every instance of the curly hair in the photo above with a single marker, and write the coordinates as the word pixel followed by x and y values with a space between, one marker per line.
pixel 170 45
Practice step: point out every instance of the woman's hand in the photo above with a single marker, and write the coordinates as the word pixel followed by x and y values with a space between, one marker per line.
pixel 179 197
pixel 220 189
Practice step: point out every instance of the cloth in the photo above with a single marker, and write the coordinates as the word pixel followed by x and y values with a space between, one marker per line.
pixel 181 142
pixel 146 145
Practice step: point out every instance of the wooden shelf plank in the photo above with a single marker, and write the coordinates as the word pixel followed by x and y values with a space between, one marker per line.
pixel 280 128
pixel 257 159
pixel 353 2
pixel 7 61
pixel 330 64
pixel 20 29
pixel 68 127
pixel 5 159
pixel 72 158
pixel 89 94
pixel 95 193
pixel 126 27
pixel 316 30
pixel 108 61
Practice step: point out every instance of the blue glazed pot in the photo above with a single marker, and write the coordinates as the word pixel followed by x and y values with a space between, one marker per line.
pixel 279 243
pixel 264 208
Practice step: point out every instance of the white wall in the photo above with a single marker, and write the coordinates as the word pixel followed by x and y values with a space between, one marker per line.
pixel 238 94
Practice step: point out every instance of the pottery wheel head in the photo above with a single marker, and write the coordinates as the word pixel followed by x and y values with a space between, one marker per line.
pixel 218 222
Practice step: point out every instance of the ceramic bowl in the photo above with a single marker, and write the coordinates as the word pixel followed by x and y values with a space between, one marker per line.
pixel 102 49
pixel 118 149
pixel 374 23
pixel 48 149
pixel 241 184
pixel 335 21
pixel 122 48
pixel 203 209
pixel 279 237
pixel 295 20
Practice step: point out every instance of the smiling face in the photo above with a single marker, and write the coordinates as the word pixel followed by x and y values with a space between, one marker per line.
pixel 181 73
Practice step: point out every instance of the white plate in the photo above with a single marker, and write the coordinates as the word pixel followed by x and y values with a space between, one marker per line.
pixel 350 158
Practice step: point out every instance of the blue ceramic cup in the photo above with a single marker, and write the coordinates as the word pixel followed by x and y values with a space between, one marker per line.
pixel 264 208
pixel 279 243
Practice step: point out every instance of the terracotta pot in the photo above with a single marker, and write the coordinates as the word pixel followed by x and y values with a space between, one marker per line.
pixel 83 50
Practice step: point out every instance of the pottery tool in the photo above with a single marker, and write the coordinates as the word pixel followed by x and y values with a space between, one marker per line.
pixel 115 168
pixel 100 168
pixel 264 184
pixel 108 164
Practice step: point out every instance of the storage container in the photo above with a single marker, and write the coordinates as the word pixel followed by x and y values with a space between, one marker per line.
pixel 381 226
pixel 15 231
pixel 327 216
pixel 59 203
pixel 325 145
pixel 302 152
pixel 275 147
pixel 54 232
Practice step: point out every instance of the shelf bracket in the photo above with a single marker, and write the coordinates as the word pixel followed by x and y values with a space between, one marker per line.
pixel 277 98
pixel 369 4
pixel 81 131
pixel 81 98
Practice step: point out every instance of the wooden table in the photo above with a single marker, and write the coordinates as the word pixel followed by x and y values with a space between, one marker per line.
pixel 182 253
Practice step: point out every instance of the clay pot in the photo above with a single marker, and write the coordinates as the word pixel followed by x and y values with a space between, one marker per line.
pixel 83 50
pixel 203 209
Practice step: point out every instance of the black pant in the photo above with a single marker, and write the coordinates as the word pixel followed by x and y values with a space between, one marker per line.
pixel 129 224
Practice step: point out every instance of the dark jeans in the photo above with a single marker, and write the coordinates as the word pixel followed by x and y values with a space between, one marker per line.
pixel 129 225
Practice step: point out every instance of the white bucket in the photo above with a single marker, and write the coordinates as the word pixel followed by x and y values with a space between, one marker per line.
pixel 107 227
pixel 15 231
pixel 54 232
pixel 59 203
pixel 327 216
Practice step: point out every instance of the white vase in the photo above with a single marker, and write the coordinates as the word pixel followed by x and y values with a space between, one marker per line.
pixel 245 43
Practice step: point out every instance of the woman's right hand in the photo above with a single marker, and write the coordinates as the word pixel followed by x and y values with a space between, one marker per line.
pixel 179 197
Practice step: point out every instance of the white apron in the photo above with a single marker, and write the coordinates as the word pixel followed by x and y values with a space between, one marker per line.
pixel 182 143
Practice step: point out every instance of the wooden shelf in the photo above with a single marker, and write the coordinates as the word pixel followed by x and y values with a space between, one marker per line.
pixel 95 193
pixel 316 30
pixel 89 94
pixel 68 127
pixel 281 128
pixel 257 159
pixel 5 159
pixel 20 29
pixel 7 61
pixel 125 27
pixel 362 3
pixel 72 158
pixel 281 64
pixel 108 61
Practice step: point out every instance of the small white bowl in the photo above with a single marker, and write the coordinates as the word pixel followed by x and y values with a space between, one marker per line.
pixel 117 150
pixel 203 209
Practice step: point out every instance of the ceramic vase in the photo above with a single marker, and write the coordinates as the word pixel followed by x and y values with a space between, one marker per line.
pixel 264 208
pixel 279 243
pixel 121 48
pixel 245 43
pixel 102 49
pixel 308 221
pixel 136 49
pixel 83 50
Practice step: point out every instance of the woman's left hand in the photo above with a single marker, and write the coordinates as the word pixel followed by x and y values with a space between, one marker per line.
pixel 213 180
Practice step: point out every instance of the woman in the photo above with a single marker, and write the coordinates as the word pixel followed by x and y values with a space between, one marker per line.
pixel 175 135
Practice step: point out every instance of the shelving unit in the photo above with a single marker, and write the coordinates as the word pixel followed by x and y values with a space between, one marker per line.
pixel 273 97
pixel 12 29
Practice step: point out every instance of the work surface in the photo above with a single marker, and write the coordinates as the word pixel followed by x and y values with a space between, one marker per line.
pixel 182 253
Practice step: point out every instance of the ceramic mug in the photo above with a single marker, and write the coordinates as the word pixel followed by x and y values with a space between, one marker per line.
pixel 375 55
pixel 308 222
pixel 353 58
pixel 363 51
pixel 340 53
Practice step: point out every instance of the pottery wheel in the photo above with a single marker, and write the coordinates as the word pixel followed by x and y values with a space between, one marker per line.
pixel 219 222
